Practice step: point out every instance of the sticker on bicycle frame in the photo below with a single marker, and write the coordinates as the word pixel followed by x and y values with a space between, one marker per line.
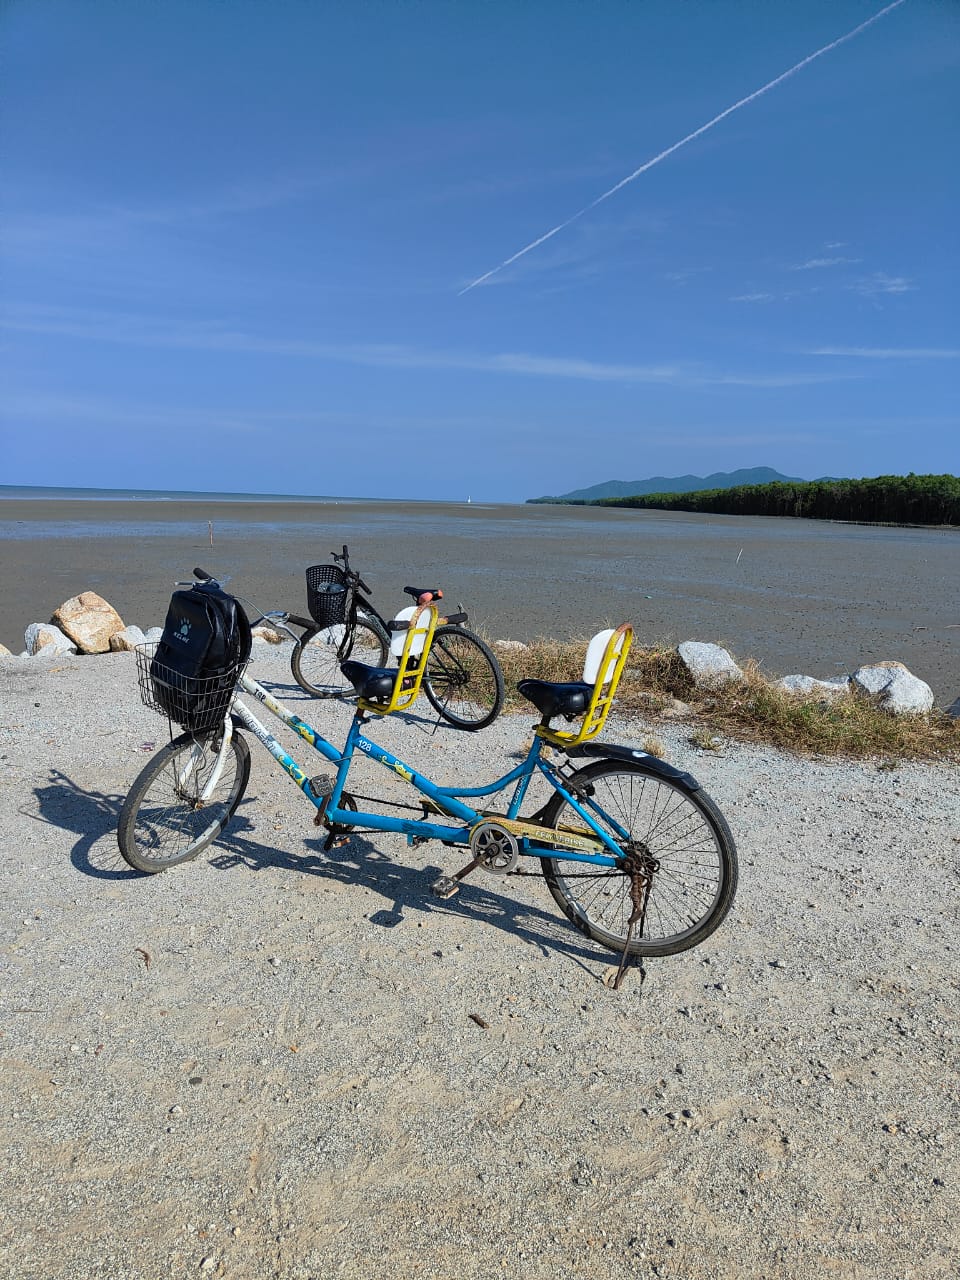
pixel 559 837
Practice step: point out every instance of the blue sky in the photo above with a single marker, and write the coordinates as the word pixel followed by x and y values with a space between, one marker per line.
pixel 236 237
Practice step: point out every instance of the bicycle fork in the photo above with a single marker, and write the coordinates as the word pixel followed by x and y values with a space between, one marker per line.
pixel 193 764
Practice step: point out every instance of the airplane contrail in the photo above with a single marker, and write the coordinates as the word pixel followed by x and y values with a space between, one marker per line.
pixel 771 84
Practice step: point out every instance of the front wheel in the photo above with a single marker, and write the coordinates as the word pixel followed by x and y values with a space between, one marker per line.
pixel 463 681
pixel 163 820
pixel 681 831
pixel 315 661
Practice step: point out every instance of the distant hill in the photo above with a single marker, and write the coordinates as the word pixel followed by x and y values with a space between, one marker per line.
pixel 672 484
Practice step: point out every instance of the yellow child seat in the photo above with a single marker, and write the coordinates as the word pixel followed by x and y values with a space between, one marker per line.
pixel 591 697
pixel 383 690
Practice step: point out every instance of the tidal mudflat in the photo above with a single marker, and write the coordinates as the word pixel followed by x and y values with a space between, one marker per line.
pixel 797 595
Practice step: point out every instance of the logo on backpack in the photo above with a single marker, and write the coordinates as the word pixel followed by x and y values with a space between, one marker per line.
pixel 183 631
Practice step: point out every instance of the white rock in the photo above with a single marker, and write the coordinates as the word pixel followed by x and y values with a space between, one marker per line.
pixel 810 684
pixel 510 644
pixel 5 652
pixel 40 636
pixel 896 689
pixel 126 640
pixel 268 634
pixel 708 664
pixel 152 635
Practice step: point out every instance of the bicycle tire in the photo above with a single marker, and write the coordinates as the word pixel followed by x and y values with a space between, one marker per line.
pixel 692 889
pixel 160 824
pixel 463 681
pixel 317 655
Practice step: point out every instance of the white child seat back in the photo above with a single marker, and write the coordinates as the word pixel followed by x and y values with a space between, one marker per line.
pixel 595 651
pixel 398 638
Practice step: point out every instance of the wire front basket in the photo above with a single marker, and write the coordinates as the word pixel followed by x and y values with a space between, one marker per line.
pixel 196 703
pixel 327 594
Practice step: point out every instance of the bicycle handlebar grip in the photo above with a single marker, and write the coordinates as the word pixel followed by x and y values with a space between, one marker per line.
pixel 203 575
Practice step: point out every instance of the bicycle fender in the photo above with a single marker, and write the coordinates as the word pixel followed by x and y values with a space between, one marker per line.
pixel 608 751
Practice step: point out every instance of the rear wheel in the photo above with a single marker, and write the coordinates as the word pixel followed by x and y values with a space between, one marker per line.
pixel 682 832
pixel 163 820
pixel 462 680
pixel 317 655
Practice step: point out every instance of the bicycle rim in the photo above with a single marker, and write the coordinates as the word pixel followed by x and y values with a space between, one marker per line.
pixel 463 681
pixel 682 830
pixel 317 657
pixel 163 821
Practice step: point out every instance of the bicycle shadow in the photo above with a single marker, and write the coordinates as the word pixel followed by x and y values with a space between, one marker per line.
pixel 90 814
pixel 407 891
pixel 93 815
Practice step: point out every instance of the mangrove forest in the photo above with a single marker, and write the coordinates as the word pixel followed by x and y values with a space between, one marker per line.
pixel 909 499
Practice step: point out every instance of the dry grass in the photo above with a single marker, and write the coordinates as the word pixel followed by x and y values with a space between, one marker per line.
pixel 657 684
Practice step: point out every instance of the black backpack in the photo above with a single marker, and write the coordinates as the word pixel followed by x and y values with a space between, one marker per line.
pixel 206 640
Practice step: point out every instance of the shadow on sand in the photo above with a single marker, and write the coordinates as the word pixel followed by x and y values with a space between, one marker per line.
pixel 93 816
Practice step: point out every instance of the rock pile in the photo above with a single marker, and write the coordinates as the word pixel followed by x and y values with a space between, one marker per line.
pixel 895 688
pixel 88 624
pixel 83 624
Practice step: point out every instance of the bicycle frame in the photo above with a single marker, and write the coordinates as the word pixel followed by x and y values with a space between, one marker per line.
pixel 570 846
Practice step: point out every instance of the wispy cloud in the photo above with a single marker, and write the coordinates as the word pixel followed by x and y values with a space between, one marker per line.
pixel 35 406
pixel 130 330
pixel 880 283
pixel 889 353
pixel 754 297
pixel 685 274
pixel 815 263
pixel 631 177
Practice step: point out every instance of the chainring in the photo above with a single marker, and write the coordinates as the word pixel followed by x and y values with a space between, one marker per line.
pixel 494 847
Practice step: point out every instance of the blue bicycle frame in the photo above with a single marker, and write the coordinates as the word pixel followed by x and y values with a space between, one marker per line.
pixel 450 799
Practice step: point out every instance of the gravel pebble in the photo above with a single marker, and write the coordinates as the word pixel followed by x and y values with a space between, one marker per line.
pixel 794 1116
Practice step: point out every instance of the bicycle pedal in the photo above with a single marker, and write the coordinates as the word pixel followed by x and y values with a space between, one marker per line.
pixel 445 887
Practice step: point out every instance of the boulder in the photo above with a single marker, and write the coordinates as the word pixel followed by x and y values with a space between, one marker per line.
pixel 43 637
pixel 268 634
pixel 675 709
pixel 127 640
pixel 708 664
pixel 152 635
pixel 895 688
pixel 89 621
pixel 5 652
pixel 810 684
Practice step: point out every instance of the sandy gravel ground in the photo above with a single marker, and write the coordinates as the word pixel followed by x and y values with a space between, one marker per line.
pixel 262 1063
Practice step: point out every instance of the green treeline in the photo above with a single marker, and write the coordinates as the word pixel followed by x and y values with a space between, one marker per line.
pixel 882 500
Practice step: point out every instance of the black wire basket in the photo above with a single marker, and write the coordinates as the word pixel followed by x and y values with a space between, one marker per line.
pixel 327 594
pixel 196 703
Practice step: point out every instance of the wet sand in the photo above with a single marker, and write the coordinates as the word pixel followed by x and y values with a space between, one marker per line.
pixel 807 596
